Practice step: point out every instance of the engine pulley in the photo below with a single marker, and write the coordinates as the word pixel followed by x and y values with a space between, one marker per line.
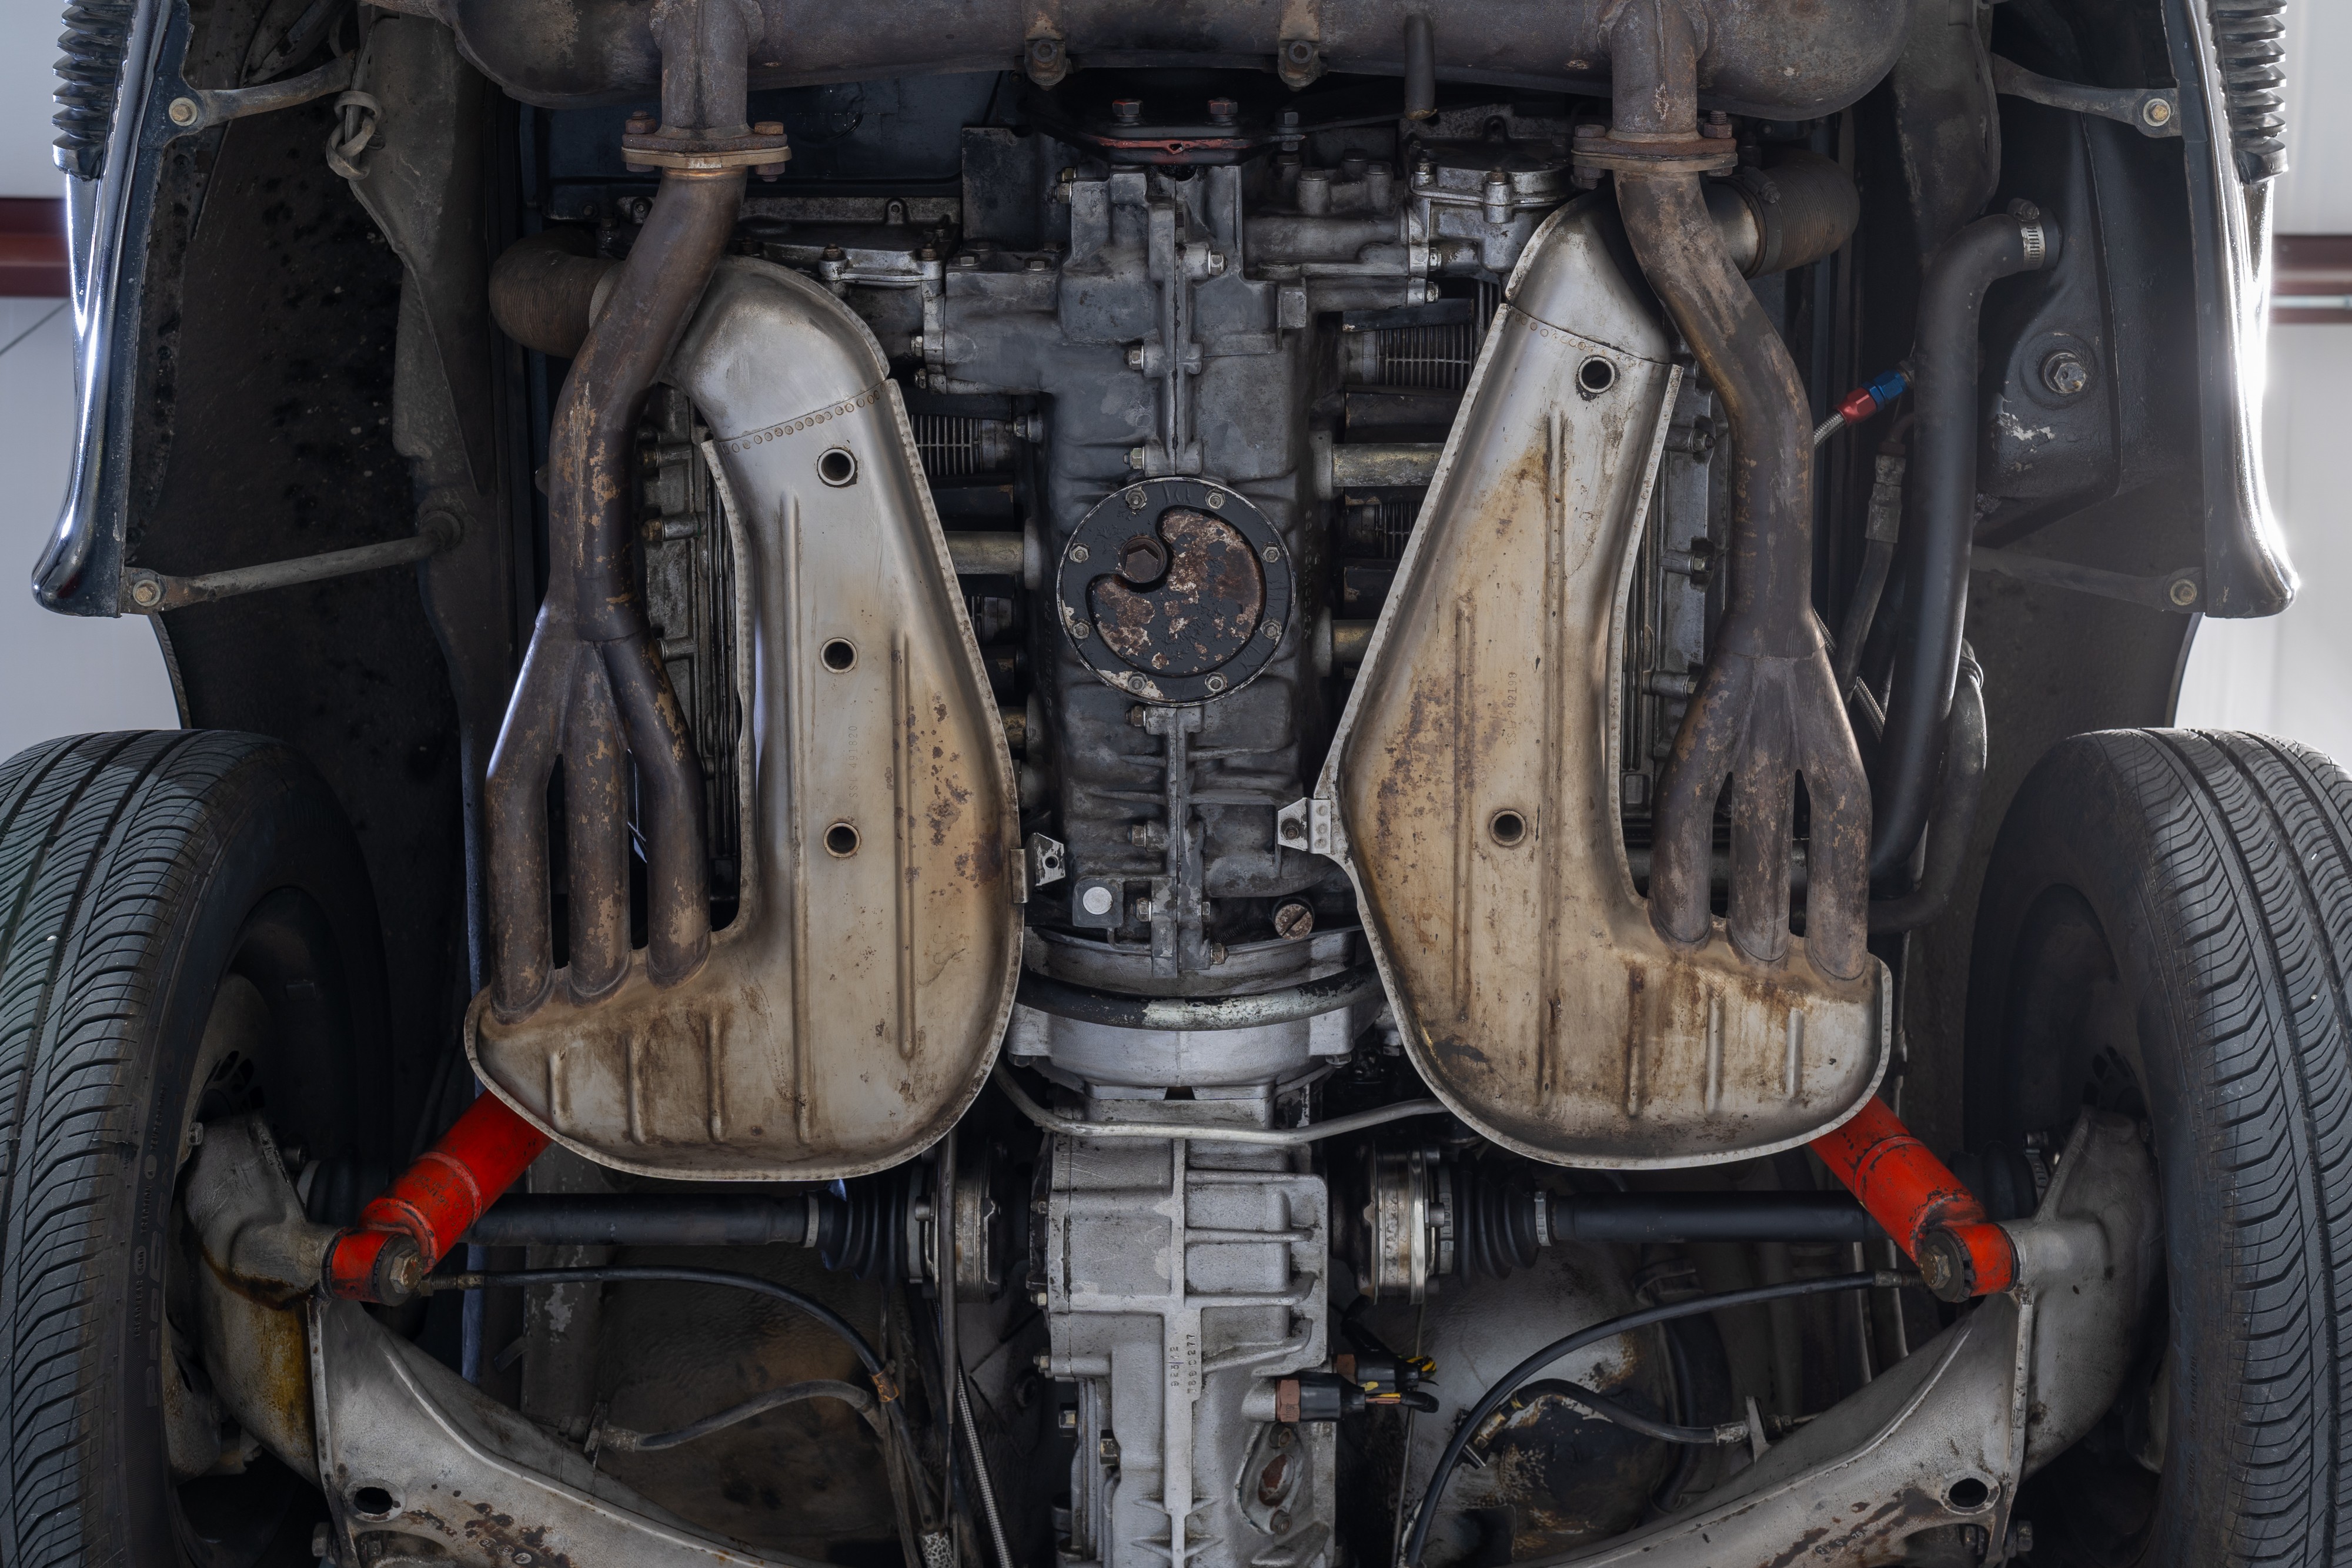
pixel 1175 590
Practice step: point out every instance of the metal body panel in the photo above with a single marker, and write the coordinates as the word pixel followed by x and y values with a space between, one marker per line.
pixel 1474 780
pixel 853 1009
pixel 421 1468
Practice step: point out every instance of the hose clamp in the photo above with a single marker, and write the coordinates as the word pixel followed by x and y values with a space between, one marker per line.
pixel 2037 246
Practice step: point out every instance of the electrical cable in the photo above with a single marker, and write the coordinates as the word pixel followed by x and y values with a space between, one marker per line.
pixel 623 1440
pixel 979 1470
pixel 1492 1400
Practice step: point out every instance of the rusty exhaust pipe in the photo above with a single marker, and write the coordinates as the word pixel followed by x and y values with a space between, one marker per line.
pixel 1767 712
pixel 593 691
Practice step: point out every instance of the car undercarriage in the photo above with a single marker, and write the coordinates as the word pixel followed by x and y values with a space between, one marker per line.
pixel 1215 784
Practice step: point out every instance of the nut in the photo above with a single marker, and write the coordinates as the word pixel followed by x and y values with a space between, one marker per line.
pixel 640 124
pixel 2064 374
pixel 1127 111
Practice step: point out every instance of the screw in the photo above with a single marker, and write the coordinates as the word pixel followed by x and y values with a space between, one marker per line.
pixel 2182 592
pixel 185 111
pixel 1224 111
pixel 147 592
pixel 1293 921
pixel 1127 111
pixel 1283 1437
pixel 2064 373
pixel 640 124
pixel 2156 111
pixel 1080 631
pixel 1044 51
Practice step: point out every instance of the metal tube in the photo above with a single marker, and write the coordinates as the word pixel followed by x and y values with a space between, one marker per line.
pixel 652 1219
pixel 144 592
pixel 1940 519
pixel 1638 1217
pixel 986 555
pixel 1289 1004
pixel 1208 1133
pixel 1767 709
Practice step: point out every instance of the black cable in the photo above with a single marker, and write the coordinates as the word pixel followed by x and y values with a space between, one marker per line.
pixel 1489 1402
pixel 1632 1420
pixel 619 1273
pixel 849 1394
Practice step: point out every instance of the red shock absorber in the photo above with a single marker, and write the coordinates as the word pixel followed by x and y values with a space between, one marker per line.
pixel 403 1233
pixel 1920 1204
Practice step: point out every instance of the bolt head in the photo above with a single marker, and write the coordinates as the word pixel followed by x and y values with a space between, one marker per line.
pixel 1293 921
pixel 1142 560
pixel 640 124
pixel 1078 553
pixel 1127 111
pixel 2182 592
pixel 1280 1520
pixel 2156 111
pixel 2064 374
pixel 146 591
pixel 184 112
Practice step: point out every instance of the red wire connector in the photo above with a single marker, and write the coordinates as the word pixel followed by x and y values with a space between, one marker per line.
pixel 402 1234
pixel 1921 1204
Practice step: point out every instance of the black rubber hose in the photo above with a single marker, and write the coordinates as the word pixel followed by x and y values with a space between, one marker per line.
pixel 1939 523
pixel 1492 1400
pixel 621 1272
pixel 1956 799
pixel 1289 1004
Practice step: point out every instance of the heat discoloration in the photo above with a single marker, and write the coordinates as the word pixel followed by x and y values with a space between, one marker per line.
pixel 1536 995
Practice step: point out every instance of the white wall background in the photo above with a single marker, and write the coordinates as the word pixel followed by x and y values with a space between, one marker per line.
pixel 59 675
pixel 2291 674
pixel 2288 676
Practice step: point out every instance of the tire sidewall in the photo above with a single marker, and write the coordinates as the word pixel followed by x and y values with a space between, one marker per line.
pixel 2078 823
pixel 268 826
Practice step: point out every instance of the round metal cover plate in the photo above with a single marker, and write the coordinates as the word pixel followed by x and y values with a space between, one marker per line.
pixel 1175 590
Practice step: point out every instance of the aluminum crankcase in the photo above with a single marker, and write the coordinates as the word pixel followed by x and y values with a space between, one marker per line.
pixel 1471 790
pixel 852 1009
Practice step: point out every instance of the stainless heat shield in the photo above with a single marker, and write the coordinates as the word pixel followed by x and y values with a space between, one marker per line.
pixel 852 1009
pixel 1472 787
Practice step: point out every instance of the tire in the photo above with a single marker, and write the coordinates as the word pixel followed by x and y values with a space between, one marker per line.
pixel 186 931
pixel 2166 931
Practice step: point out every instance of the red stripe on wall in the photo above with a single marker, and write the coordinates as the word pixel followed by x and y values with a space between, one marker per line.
pixel 33 248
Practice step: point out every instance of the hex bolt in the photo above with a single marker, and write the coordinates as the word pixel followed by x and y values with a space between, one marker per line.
pixel 2064 373
pixel 2156 111
pixel 1718 126
pixel 1223 110
pixel 147 592
pixel 640 124
pixel 1293 921
pixel 1127 111
pixel 1142 560
pixel 185 111
pixel 2182 592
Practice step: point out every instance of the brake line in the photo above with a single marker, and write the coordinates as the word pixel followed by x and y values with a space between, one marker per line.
pixel 1492 1400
